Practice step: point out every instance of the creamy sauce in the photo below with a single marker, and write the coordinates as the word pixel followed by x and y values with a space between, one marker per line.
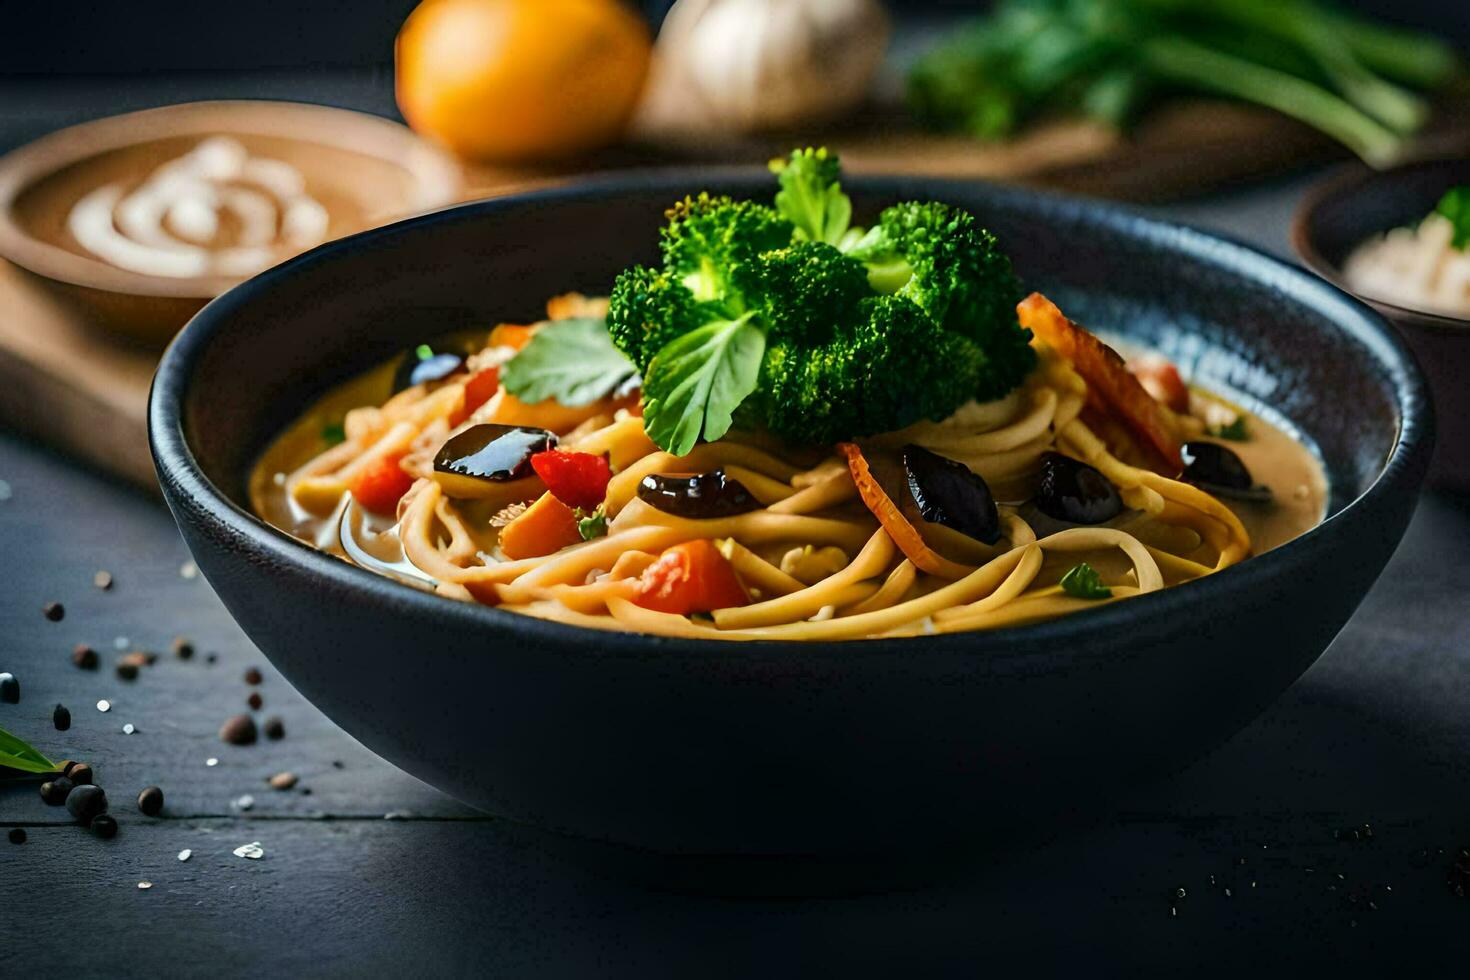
pixel 216 210
pixel 1275 459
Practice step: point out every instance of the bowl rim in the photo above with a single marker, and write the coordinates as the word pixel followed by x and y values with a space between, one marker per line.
pixel 436 178
pixel 1357 178
pixel 1030 645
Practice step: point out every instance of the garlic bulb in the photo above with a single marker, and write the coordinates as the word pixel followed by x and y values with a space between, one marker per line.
pixel 751 65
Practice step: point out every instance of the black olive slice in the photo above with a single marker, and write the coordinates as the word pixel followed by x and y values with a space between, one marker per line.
pixel 493 452
pixel 1218 470
pixel 424 365
pixel 948 492
pixel 1074 492
pixel 698 496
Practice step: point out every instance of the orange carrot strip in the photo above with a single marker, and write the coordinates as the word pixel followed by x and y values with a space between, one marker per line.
pixel 1106 374
pixel 904 534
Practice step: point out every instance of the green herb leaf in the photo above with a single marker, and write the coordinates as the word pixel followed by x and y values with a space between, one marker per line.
pixel 334 434
pixel 810 196
pixel 17 754
pixel 1236 431
pixel 423 352
pixel 696 382
pixel 1084 582
pixel 1455 205
pixel 593 525
pixel 573 361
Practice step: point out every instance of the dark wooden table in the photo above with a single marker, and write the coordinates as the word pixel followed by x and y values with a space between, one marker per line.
pixel 372 872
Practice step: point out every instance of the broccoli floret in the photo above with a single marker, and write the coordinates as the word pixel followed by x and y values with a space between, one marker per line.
pixel 650 308
pixel 791 319
pixel 888 368
pixel 940 258
pixel 803 292
pixel 708 237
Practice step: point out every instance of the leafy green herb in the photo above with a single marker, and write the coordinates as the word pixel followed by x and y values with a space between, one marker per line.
pixel 593 525
pixel 1455 205
pixel 18 754
pixel 1349 77
pixel 1084 582
pixel 811 197
pixel 334 434
pixel 573 361
pixel 423 352
pixel 1236 431
pixel 696 382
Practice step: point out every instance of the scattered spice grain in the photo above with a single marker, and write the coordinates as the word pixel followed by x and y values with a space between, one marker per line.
pixel 85 657
pixel 274 728
pixel 9 688
pixel 150 801
pixel 238 730
pixel 61 718
pixel 54 611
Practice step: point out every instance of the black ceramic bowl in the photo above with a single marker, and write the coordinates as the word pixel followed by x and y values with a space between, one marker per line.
pixel 689 747
pixel 1357 203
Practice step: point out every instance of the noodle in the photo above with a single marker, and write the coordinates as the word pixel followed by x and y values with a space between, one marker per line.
pixel 790 552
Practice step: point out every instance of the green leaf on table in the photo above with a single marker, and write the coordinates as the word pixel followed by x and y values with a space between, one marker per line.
pixel 18 754
pixel 1455 206
pixel 573 361
pixel 1083 582
pixel 696 382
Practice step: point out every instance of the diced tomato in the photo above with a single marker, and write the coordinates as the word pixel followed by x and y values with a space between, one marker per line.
pixel 688 578
pixel 479 389
pixel 1161 380
pixel 511 335
pixel 576 479
pixel 381 485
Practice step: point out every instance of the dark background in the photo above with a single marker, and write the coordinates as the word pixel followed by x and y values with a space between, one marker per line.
pixel 105 36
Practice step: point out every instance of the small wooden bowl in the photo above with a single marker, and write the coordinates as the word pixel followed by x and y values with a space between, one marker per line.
pixel 363 169
pixel 1353 205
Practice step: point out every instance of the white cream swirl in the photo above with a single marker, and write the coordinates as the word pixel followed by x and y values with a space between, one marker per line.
pixel 170 224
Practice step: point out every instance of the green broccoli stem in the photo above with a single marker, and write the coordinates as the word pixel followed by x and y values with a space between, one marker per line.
pixel 1205 69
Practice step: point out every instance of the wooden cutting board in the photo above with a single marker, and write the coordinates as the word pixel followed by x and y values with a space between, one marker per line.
pixel 67 384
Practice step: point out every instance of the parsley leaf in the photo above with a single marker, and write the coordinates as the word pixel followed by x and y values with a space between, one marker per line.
pixel 1084 582
pixel 334 434
pixel 811 197
pixel 1455 205
pixel 696 382
pixel 18 754
pixel 593 525
pixel 573 361
pixel 1236 431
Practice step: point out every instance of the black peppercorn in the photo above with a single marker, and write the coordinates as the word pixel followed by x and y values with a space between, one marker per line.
pixel 127 671
pixel 61 718
pixel 55 791
pixel 54 611
pixel 86 802
pixel 255 700
pixel 183 649
pixel 79 773
pixel 252 676
pixel 17 835
pixel 238 730
pixel 85 657
pixel 150 801
pixel 104 826
pixel 274 728
pixel 9 688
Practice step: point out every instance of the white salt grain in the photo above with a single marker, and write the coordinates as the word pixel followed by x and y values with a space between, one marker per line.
pixel 188 570
pixel 253 851
pixel 143 886
pixel 244 802
pixel 128 729
pixel 120 643
pixel 104 705
pixel 185 854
